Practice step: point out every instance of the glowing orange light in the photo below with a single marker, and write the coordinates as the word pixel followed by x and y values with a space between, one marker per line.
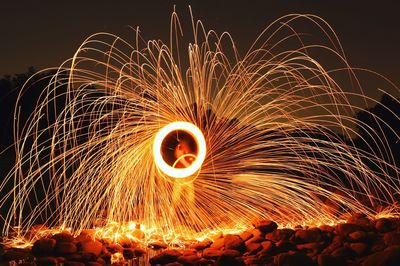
pixel 194 161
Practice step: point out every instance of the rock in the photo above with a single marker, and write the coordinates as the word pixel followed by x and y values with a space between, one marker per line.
pixel 93 263
pixel 91 246
pixel 265 226
pixel 46 261
pixel 337 242
pixel 139 251
pixel 251 260
pixel 327 228
pixel 101 261
pixel 253 248
pixel 345 229
pixel 234 242
pixel 114 248
pixel 357 236
pixel 360 219
pixel 312 248
pixel 307 236
pixel 158 245
pixel 359 248
pixel 268 247
pixel 383 225
pixel 280 234
pixel 390 256
pixel 255 239
pixel 231 253
pixel 343 252
pixel 227 260
pixel 43 247
pixel 295 259
pixel 329 260
pixel 202 244
pixel 284 246
pixel 63 237
pixel 205 262
pixel 87 256
pixel 15 254
pixel 210 253
pixel 188 260
pixel 173 264
pixel 165 257
pixel 73 263
pixel 218 243
pixel 392 238
pixel 246 235
pixel 128 253
pixel 65 248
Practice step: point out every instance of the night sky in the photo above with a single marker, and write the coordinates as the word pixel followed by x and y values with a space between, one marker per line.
pixel 45 33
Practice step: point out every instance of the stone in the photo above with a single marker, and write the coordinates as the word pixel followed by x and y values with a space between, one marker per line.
pixel 188 260
pixel 46 261
pixel 312 248
pixel 387 257
pixel 253 248
pixel 210 253
pixel 205 262
pixel 329 260
pixel 43 247
pixel 128 253
pixel 165 257
pixel 73 263
pixel 280 234
pixel 158 245
pixel 347 228
pixel 91 246
pixel 307 236
pixel 231 253
pixel 93 263
pixel 246 235
pixel 226 260
pixel 392 238
pixel 293 259
pixel 343 252
pixel 87 256
pixel 255 239
pixel 218 243
pixel 284 246
pixel 173 264
pixel 357 236
pixel 65 248
pixel 114 248
pixel 265 226
pixel 139 251
pixel 383 225
pixel 234 242
pixel 63 237
pixel 337 242
pixel 251 260
pixel 15 254
pixel 202 244
pixel 359 248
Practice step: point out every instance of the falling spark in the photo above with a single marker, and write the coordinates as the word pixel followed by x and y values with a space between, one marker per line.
pixel 266 128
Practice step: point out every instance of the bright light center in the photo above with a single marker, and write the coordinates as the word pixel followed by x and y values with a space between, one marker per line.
pixel 179 149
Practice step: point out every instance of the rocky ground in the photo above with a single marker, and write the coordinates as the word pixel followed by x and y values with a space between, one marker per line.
pixel 359 241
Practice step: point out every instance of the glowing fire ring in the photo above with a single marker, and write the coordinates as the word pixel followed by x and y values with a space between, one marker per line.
pixel 167 169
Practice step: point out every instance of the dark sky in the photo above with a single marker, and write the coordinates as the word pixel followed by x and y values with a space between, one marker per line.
pixel 45 33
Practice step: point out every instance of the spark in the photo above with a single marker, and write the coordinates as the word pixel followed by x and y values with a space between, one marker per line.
pixel 272 129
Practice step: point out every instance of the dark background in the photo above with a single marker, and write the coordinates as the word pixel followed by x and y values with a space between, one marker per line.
pixel 45 33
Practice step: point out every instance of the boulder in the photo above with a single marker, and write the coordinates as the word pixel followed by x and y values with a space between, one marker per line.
pixel 165 257
pixel 43 247
pixel 265 226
